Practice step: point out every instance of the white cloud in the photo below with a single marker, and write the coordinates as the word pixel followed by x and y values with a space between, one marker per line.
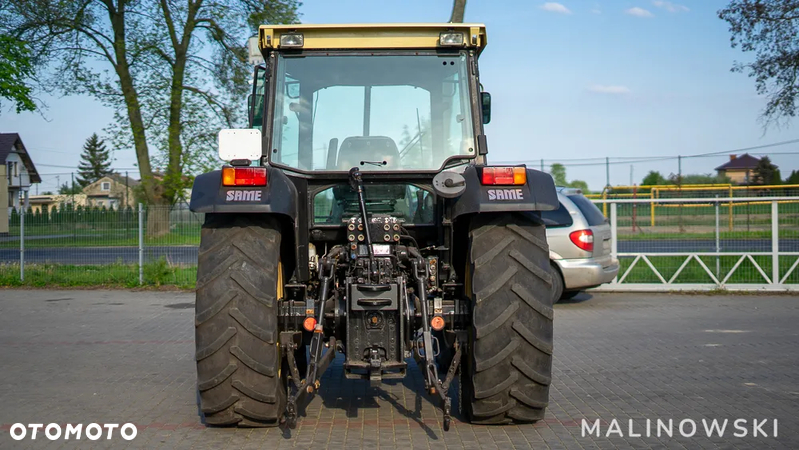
pixel 596 11
pixel 614 90
pixel 670 7
pixel 555 8
pixel 638 12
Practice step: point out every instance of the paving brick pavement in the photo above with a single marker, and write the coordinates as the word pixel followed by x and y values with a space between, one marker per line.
pixel 119 357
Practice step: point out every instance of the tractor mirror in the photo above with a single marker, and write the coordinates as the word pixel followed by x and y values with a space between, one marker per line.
pixel 239 144
pixel 485 98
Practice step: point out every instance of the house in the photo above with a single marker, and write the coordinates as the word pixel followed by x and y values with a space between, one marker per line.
pixel 49 202
pixel 3 202
pixel 19 173
pixel 111 191
pixel 739 169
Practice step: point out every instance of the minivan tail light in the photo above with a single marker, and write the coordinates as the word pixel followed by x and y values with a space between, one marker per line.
pixel 511 176
pixel 244 176
pixel 584 239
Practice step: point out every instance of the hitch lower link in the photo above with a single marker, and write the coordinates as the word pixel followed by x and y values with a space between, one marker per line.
pixel 318 363
pixel 425 356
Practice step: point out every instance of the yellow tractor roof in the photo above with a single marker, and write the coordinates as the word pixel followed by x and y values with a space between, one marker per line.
pixel 372 35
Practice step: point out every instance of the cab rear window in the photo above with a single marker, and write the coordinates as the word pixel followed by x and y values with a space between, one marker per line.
pixel 592 214
pixel 557 218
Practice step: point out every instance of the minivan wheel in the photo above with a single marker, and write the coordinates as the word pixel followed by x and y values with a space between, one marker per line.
pixel 557 283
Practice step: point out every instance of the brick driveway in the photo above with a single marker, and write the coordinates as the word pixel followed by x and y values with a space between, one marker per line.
pixel 117 357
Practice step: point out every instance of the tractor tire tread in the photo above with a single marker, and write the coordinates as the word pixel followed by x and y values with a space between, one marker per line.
pixel 508 367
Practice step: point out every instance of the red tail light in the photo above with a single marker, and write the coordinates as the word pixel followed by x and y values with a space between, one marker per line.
pixel 504 176
pixel 584 239
pixel 244 176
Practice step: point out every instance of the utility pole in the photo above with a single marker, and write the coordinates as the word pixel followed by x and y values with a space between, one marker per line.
pixel 542 164
pixel 125 197
pixel 679 189
pixel 607 172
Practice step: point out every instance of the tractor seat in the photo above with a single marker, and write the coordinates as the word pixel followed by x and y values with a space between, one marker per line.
pixel 355 149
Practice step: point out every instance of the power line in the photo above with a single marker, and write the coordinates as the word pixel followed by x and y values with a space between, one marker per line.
pixel 601 161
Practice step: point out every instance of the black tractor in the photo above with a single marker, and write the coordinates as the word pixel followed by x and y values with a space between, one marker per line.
pixel 358 215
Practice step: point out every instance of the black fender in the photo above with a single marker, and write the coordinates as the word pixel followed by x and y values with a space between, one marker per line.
pixel 279 196
pixel 538 194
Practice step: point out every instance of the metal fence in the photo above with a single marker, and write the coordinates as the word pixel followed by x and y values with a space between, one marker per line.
pixel 749 243
pixel 691 245
pixel 148 245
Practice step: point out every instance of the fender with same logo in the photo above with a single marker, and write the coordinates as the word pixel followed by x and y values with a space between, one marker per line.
pixel 279 196
pixel 538 194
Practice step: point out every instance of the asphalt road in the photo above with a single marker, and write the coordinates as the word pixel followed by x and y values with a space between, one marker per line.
pixel 188 254
pixel 116 357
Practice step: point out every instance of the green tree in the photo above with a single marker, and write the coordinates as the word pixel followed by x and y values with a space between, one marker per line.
pixel 706 178
pixel 16 68
pixel 174 71
pixel 654 178
pixel 769 29
pixel 558 172
pixel 793 178
pixel 95 161
pixel 579 184
pixel 766 172
pixel 66 189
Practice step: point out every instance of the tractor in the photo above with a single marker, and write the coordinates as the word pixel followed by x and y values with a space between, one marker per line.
pixel 358 216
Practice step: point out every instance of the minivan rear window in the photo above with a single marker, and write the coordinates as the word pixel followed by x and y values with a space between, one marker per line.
pixel 557 218
pixel 592 214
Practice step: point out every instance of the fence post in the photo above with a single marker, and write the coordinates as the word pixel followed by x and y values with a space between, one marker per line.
pixel 652 193
pixel 21 245
pixel 141 244
pixel 614 234
pixel 718 242
pixel 775 243
pixel 729 209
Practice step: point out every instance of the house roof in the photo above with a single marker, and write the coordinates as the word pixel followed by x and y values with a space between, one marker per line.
pixel 119 179
pixel 7 142
pixel 743 162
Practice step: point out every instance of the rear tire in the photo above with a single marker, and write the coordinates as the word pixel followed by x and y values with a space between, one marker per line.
pixel 509 366
pixel 557 283
pixel 568 295
pixel 236 327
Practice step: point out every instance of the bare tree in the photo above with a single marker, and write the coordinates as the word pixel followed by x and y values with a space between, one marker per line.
pixel 174 71
pixel 770 29
pixel 458 9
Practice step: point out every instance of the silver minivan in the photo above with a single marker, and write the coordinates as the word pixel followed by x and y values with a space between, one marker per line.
pixel 579 240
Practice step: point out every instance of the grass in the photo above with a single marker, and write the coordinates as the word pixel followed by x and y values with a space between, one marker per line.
pixel 693 273
pixel 103 238
pixel 625 235
pixel 110 275
pixel 159 273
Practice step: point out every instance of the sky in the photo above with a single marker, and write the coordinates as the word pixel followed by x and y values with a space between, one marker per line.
pixel 570 81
